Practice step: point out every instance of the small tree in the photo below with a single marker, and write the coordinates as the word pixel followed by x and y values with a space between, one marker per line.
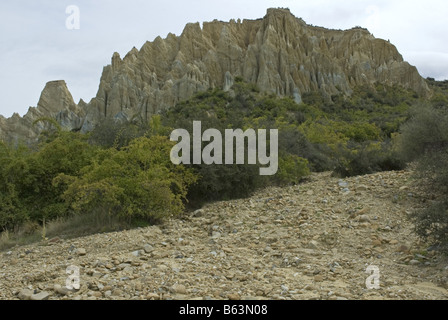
pixel 12 212
pixel 424 139
pixel 136 182
pixel 292 169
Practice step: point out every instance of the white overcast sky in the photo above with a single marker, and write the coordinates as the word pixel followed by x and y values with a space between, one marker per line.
pixel 36 46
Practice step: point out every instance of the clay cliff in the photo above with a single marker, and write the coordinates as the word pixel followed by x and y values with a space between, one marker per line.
pixel 55 102
pixel 280 53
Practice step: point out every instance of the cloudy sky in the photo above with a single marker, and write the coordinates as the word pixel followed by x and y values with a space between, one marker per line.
pixel 36 46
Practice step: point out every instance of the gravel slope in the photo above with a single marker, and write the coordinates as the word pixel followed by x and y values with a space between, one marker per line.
pixel 312 241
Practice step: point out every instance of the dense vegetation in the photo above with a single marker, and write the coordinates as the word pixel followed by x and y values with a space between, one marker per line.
pixel 123 170
pixel 424 140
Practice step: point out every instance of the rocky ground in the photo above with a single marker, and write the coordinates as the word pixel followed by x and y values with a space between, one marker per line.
pixel 312 241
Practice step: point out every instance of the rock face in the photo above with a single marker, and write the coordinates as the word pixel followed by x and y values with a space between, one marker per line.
pixel 280 53
pixel 55 102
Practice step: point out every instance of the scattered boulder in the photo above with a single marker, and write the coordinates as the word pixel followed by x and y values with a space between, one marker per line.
pixel 81 252
pixel 40 296
pixel 179 289
pixel 233 296
pixel 25 294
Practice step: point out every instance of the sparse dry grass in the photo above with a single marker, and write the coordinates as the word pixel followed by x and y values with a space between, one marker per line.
pixel 27 233
pixel 66 228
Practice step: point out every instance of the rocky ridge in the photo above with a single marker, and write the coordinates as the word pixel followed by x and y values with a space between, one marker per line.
pixel 56 102
pixel 312 241
pixel 280 53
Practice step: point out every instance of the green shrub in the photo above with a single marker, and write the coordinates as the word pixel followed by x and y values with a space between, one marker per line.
pixel 118 134
pixel 224 182
pixel 136 182
pixel 12 212
pixel 66 154
pixel 26 177
pixel 291 169
pixel 431 224
pixel 425 134
pixel 292 141
pixel 366 158
pixel 424 139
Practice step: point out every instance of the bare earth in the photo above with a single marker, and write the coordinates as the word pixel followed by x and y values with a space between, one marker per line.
pixel 312 241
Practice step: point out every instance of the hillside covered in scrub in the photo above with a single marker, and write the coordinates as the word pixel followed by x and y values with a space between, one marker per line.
pixel 121 172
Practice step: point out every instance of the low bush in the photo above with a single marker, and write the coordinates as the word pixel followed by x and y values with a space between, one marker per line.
pixel 366 158
pixel 424 140
pixel 136 182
